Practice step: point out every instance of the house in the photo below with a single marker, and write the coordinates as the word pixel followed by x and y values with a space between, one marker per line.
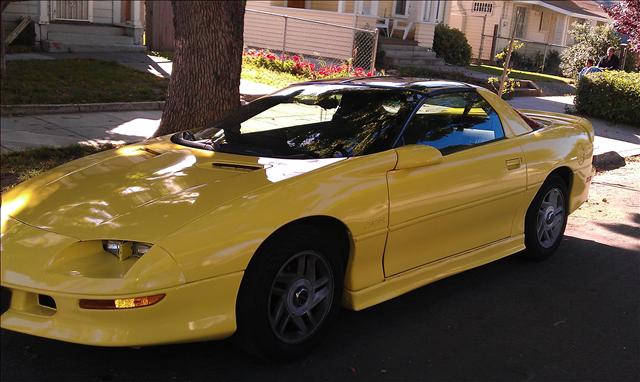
pixel 330 28
pixel 80 25
pixel 542 24
pixel 423 15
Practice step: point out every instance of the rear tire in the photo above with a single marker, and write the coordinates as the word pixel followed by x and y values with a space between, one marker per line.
pixel 546 219
pixel 290 294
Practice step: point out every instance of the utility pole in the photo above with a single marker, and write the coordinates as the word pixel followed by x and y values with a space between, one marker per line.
pixel 484 23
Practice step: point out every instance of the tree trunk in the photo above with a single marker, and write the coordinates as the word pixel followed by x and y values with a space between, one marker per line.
pixel 205 80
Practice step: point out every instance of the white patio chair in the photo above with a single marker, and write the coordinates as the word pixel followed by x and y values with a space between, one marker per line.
pixel 383 24
pixel 402 26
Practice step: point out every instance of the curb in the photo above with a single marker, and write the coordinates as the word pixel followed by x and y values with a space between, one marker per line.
pixel 17 110
pixel 20 110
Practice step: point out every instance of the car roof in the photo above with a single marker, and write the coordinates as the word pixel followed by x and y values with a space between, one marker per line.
pixel 395 82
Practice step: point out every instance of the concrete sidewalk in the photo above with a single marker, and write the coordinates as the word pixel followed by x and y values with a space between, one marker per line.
pixel 610 136
pixel 19 133
pixel 57 130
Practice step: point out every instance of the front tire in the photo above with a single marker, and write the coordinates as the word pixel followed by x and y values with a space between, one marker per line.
pixel 289 295
pixel 546 219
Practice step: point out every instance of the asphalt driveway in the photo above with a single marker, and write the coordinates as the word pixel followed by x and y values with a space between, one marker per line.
pixel 575 317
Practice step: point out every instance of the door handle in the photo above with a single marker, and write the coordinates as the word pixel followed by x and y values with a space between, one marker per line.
pixel 513 164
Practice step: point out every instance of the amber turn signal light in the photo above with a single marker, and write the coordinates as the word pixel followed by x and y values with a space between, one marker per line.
pixel 121 303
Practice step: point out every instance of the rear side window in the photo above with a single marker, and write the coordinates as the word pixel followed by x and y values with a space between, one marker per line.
pixel 454 122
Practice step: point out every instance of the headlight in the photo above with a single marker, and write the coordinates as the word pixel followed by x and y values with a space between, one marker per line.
pixel 125 249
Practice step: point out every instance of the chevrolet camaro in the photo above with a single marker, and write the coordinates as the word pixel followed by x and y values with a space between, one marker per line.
pixel 326 194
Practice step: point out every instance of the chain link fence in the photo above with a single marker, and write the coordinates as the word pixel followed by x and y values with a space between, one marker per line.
pixel 318 41
pixel 532 56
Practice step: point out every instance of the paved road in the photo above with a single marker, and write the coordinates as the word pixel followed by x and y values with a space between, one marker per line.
pixel 574 317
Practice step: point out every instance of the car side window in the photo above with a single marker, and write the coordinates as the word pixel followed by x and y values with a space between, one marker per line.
pixel 454 122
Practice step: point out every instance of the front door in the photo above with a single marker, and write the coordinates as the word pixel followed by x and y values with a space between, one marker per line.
pixel 466 201
pixel 71 10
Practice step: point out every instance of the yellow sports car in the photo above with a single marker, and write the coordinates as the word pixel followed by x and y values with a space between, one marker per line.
pixel 321 195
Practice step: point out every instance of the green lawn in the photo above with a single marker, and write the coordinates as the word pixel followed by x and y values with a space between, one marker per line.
pixel 78 81
pixel 520 74
pixel 19 166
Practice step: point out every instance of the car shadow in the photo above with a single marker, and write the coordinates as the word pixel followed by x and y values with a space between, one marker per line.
pixel 566 318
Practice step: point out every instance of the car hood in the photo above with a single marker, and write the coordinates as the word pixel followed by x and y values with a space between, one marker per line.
pixel 142 192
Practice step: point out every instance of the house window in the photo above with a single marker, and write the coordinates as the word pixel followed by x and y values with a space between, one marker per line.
pixel 433 11
pixel 521 15
pixel 295 4
pixel 367 7
pixel 400 7
pixel 482 7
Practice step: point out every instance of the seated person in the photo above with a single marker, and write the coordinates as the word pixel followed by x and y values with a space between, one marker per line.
pixel 610 61
pixel 589 68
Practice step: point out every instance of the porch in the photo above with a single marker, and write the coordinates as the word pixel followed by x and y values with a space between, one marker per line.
pixel 548 22
pixel 401 19
pixel 80 25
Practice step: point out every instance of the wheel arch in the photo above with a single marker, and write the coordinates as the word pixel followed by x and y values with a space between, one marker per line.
pixel 329 224
pixel 566 174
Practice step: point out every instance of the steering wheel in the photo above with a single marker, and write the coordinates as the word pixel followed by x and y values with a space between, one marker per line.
pixel 342 151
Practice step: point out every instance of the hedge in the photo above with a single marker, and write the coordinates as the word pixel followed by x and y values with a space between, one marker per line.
pixel 611 95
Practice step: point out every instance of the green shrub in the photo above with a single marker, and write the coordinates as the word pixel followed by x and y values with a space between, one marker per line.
pixel 552 63
pixel 631 63
pixel 531 62
pixel 451 45
pixel 590 42
pixel 612 95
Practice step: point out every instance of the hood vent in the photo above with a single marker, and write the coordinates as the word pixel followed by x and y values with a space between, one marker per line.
pixel 150 151
pixel 236 167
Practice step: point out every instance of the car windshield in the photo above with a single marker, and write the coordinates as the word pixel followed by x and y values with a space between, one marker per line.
pixel 312 121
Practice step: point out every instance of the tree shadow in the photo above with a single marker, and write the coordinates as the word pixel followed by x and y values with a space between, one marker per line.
pixel 136 60
pixel 508 320
pixel 630 230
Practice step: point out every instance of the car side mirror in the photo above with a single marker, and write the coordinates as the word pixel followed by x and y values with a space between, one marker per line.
pixel 412 156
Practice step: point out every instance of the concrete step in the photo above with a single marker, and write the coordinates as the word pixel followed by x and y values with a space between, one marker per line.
pixel 411 54
pixel 78 38
pixel 55 46
pixel 403 48
pixel 85 29
pixel 413 63
pixel 397 41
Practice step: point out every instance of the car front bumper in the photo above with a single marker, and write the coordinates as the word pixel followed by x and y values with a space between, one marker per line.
pixel 202 310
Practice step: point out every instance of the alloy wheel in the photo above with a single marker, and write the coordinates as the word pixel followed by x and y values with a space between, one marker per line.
pixel 300 297
pixel 551 216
